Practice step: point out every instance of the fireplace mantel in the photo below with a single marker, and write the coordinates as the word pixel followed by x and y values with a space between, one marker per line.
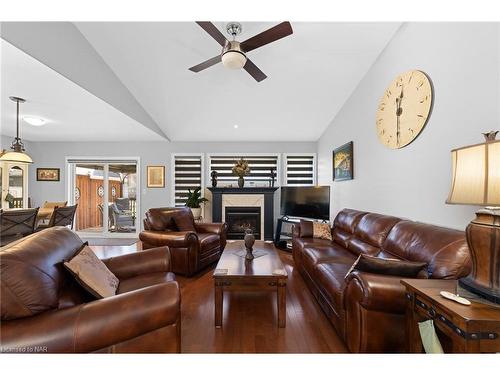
pixel 268 214
pixel 243 190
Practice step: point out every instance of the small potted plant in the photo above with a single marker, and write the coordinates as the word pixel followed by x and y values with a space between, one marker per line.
pixel 194 201
pixel 241 169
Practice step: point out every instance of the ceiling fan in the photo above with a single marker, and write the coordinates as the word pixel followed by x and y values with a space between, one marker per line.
pixel 233 55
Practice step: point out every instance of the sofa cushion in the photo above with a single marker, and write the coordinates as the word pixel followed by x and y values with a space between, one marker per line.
pixel 155 220
pixel 184 221
pixel 371 232
pixel 445 250
pixel 306 228
pixel 208 241
pixel 344 224
pixel 330 278
pixel 336 253
pixel 390 267
pixel 31 272
pixel 302 243
pixel 91 273
pixel 322 231
pixel 145 280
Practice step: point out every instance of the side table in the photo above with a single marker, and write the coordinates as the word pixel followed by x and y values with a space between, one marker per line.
pixel 461 329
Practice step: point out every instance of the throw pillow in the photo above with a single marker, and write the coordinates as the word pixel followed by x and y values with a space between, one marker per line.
pixel 390 267
pixel 91 273
pixel 184 221
pixel 306 228
pixel 322 231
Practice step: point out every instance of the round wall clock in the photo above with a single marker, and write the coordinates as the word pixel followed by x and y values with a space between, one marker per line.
pixel 404 109
pixel 100 191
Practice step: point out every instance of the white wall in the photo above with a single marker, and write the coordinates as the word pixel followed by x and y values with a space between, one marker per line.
pixel 53 154
pixel 462 60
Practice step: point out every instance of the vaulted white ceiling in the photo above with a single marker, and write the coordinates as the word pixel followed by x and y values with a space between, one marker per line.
pixel 72 113
pixel 310 75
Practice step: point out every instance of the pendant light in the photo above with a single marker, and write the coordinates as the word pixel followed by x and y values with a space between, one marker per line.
pixel 17 155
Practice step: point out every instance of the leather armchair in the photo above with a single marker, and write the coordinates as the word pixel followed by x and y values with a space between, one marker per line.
pixel 59 316
pixel 193 246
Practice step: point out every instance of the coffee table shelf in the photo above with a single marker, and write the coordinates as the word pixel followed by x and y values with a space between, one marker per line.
pixel 265 273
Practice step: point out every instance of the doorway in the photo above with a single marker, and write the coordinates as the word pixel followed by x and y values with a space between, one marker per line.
pixel 107 192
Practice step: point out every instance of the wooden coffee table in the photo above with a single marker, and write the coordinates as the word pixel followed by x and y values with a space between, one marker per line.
pixel 265 272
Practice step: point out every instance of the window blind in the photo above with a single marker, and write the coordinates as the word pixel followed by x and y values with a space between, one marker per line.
pixel 187 177
pixel 299 170
pixel 260 168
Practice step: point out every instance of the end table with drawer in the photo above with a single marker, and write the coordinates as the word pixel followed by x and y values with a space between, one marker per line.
pixel 460 328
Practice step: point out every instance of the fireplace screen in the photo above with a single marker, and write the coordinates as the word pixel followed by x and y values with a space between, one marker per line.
pixel 239 219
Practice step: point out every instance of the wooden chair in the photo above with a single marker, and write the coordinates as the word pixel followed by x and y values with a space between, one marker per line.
pixel 61 217
pixel 17 223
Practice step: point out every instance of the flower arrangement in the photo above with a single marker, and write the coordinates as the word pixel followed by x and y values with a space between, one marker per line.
pixel 241 168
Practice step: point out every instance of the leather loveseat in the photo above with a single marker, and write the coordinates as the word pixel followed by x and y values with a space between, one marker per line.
pixel 367 310
pixel 44 310
pixel 193 245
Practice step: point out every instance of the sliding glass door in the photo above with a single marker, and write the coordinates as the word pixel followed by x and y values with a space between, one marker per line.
pixel 106 192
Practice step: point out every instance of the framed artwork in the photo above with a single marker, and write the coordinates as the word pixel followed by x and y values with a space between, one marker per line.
pixel 48 174
pixel 156 176
pixel 343 158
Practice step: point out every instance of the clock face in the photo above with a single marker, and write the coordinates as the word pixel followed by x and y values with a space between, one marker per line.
pixel 404 109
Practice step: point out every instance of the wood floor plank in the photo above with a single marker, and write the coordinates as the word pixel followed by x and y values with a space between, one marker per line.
pixel 249 323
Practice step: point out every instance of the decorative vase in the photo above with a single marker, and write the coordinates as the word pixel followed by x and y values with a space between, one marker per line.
pixel 249 241
pixel 196 212
pixel 241 181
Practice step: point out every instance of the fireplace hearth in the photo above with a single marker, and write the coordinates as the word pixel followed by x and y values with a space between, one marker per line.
pixel 239 219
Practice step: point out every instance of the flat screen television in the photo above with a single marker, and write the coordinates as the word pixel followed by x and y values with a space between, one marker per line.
pixel 306 201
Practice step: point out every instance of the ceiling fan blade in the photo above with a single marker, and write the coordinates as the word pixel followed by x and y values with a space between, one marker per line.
pixel 254 71
pixel 268 36
pixel 206 64
pixel 214 32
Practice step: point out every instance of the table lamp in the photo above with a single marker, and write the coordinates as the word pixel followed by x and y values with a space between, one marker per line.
pixel 476 181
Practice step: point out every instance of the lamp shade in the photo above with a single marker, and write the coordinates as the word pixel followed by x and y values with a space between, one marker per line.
pixel 16 157
pixel 233 60
pixel 476 175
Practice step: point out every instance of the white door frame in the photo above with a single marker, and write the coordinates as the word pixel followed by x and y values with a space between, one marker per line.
pixel 70 188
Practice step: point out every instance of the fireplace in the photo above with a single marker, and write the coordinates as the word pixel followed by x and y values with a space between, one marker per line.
pixel 239 219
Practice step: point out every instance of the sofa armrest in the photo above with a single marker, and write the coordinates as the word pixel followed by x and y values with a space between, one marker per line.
pixel 215 228
pixel 376 292
pixel 170 239
pixel 142 262
pixel 95 325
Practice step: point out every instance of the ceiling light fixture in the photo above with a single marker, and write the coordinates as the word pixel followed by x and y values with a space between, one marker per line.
pixel 232 55
pixel 35 121
pixel 17 155
pixel 236 126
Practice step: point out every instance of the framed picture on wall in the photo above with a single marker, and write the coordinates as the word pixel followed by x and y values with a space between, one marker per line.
pixel 48 174
pixel 156 176
pixel 342 162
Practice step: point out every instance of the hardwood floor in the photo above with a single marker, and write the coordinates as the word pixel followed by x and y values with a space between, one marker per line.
pixel 249 320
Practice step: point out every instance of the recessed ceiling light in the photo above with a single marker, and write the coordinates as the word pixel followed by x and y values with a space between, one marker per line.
pixel 236 126
pixel 35 121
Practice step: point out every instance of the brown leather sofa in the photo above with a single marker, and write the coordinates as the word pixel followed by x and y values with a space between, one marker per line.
pixel 44 310
pixel 367 310
pixel 193 245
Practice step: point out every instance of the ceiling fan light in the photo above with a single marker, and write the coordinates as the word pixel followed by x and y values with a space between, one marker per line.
pixel 234 60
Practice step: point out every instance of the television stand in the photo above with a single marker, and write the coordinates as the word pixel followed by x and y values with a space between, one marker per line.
pixel 283 237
